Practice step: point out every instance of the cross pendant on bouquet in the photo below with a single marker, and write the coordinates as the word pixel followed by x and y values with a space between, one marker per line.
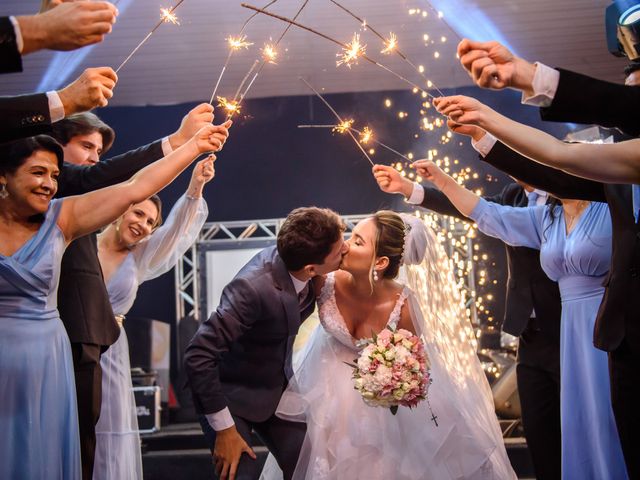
pixel 434 418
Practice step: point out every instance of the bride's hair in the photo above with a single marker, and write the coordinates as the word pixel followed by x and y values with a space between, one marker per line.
pixel 390 232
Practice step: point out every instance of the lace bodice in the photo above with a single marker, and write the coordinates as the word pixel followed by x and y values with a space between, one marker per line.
pixel 333 322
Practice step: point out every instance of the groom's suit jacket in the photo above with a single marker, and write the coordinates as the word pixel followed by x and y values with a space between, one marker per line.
pixel 240 357
pixel 528 287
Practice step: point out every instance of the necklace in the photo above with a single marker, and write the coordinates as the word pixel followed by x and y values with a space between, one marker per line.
pixel 570 219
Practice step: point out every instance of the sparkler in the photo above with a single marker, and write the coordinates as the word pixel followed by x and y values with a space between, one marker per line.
pixel 346 47
pixel 236 43
pixel 347 125
pixel 351 51
pixel 390 44
pixel 341 122
pixel 166 16
pixel 230 54
pixel 269 53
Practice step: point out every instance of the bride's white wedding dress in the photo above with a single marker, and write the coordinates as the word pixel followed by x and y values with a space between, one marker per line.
pixel 347 439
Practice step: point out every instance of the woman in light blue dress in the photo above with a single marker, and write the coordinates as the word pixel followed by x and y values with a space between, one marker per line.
pixel 575 250
pixel 132 251
pixel 38 420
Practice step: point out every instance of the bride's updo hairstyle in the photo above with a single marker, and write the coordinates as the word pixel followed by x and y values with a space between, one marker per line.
pixel 390 232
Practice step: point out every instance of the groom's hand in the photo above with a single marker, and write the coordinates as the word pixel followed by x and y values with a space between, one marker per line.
pixel 227 452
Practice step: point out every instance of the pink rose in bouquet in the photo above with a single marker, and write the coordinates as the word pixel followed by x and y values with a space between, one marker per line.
pixel 392 370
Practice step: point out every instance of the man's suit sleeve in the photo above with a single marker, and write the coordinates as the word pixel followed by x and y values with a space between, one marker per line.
pixel 551 180
pixel 76 180
pixel 24 116
pixel 239 308
pixel 438 202
pixel 10 58
pixel 582 99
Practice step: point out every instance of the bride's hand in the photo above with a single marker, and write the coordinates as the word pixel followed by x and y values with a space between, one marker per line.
pixel 462 110
pixel 431 172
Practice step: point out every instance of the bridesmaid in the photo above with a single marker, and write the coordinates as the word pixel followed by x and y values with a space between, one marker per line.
pixel 38 419
pixel 574 240
pixel 127 260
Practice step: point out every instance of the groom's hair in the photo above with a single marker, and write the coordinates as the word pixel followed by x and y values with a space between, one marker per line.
pixel 307 236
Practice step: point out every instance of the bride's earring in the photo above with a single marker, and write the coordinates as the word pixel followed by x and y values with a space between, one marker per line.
pixel 375 276
pixel 3 191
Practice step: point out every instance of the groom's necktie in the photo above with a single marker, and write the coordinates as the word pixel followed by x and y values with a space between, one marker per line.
pixel 303 297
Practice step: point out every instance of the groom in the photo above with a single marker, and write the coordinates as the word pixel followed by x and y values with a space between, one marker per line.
pixel 239 361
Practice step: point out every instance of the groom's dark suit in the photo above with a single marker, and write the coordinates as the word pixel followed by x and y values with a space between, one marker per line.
pixel 240 357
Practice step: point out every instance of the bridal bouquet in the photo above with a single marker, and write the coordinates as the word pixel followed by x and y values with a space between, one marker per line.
pixel 392 370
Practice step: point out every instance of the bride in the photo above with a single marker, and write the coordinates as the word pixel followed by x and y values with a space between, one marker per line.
pixel 453 435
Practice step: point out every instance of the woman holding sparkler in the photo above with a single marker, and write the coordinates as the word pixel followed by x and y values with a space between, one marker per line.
pixel 38 418
pixel 132 250
pixel 454 433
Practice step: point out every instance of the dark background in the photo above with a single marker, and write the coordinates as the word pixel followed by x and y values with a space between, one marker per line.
pixel 269 166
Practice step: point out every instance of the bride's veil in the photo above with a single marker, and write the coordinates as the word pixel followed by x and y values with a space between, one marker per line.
pixel 440 317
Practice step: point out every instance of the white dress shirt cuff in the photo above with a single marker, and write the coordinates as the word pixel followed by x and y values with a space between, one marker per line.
pixel 18 33
pixel 220 420
pixel 166 146
pixel 545 84
pixel 417 195
pixel 485 144
pixel 56 109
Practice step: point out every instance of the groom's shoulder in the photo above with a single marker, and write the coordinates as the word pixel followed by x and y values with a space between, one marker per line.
pixel 260 266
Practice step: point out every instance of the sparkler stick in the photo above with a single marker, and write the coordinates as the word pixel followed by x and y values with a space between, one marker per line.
pixel 337 127
pixel 390 43
pixel 226 63
pixel 339 119
pixel 350 52
pixel 166 17
pixel 268 55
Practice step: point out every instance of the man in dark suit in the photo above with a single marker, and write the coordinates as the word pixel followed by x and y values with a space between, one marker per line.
pixel 83 301
pixel 571 97
pixel 239 361
pixel 532 313
pixel 63 26
pixel 34 114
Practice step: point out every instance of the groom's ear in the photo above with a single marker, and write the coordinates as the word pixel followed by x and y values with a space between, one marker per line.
pixel 310 270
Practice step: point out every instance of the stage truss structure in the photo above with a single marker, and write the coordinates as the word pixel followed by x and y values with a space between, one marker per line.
pixel 190 272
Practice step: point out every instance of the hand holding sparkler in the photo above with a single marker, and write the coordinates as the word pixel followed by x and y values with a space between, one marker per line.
pixel 67 26
pixel 390 180
pixel 92 89
pixel 209 138
pixel 428 170
pixel 476 133
pixel 198 117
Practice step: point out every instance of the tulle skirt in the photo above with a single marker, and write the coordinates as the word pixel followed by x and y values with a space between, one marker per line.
pixel 118 455
pixel 347 439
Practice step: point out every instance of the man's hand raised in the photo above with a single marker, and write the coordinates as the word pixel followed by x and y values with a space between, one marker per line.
pixel 92 89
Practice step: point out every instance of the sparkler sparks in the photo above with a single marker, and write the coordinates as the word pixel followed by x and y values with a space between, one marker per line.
pixel 236 43
pixel 366 135
pixel 167 16
pixel 269 53
pixel 390 45
pixel 232 107
pixel 351 52
pixel 343 127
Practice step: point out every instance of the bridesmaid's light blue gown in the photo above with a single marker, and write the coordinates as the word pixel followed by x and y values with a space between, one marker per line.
pixel 579 262
pixel 38 419
pixel 118 455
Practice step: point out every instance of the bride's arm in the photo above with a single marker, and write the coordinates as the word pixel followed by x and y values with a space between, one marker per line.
pixel 405 318
pixel 610 163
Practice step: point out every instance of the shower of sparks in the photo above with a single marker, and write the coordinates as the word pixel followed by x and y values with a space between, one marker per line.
pixel 167 16
pixel 366 135
pixel 269 53
pixel 230 106
pixel 351 52
pixel 343 127
pixel 390 45
pixel 236 43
